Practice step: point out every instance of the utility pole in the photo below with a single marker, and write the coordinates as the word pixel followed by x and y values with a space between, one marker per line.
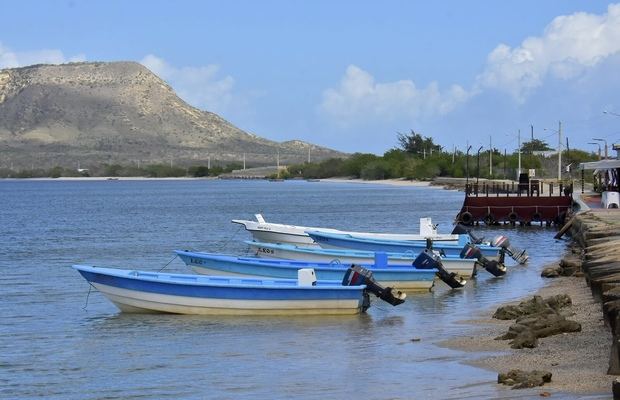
pixel 208 162
pixel 519 139
pixel 308 154
pixel 490 156
pixel 559 151
pixel 244 161
pixel 453 152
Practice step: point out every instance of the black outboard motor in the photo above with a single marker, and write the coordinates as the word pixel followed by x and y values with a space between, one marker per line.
pixel 429 260
pixel 494 267
pixel 357 275
pixel 519 256
pixel 460 229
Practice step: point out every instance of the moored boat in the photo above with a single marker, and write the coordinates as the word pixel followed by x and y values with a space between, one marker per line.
pixel 346 241
pixel 143 291
pixel 463 267
pixel 401 277
pixel 263 231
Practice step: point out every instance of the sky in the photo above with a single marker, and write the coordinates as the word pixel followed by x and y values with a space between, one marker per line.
pixel 352 75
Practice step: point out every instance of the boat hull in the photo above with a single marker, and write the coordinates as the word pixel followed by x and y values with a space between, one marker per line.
pixel 462 267
pixel 338 241
pixel 137 291
pixel 401 277
pixel 268 232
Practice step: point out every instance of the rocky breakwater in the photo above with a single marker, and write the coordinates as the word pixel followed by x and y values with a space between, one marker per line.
pixel 596 255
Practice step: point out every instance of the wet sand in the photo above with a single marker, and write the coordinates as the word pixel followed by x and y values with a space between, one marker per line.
pixel 578 361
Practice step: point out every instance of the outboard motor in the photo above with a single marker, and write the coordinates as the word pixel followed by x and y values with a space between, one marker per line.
pixel 519 256
pixel 429 260
pixel 357 275
pixel 460 229
pixel 494 267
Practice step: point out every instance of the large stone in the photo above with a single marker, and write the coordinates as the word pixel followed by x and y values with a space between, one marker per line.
pixel 551 272
pixel 536 305
pixel 520 379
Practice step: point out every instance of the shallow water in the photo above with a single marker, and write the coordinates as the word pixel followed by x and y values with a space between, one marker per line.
pixel 51 347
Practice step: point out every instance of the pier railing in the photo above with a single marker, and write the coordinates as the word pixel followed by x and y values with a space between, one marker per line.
pixel 530 189
pixel 493 202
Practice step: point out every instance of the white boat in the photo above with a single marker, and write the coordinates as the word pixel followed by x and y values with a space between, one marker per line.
pixel 144 291
pixel 263 231
pixel 462 267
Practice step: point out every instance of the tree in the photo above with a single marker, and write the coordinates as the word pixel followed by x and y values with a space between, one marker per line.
pixel 415 143
pixel 535 145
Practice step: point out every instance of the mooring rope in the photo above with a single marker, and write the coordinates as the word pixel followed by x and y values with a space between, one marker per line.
pixel 168 263
pixel 90 286
pixel 229 239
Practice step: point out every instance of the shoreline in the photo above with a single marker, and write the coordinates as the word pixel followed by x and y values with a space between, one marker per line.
pixel 578 361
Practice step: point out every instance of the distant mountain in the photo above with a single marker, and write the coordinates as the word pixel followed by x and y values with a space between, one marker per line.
pixel 119 112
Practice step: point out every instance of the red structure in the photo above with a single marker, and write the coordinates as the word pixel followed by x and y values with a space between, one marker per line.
pixel 509 203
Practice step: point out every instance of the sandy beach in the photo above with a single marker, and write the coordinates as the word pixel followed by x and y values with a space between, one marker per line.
pixel 578 361
pixel 391 182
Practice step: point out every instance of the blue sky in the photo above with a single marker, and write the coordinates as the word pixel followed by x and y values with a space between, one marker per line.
pixel 352 74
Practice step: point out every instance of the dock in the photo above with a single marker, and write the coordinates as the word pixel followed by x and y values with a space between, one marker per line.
pixel 509 202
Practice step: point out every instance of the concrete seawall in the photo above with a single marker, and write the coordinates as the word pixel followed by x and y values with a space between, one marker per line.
pixel 596 235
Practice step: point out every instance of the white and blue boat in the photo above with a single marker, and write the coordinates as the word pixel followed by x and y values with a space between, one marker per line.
pixel 346 241
pixel 401 277
pixel 143 291
pixel 461 266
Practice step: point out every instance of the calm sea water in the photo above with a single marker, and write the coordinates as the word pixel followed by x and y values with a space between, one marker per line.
pixel 52 347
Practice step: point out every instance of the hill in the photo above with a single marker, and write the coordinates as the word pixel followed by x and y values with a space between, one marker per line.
pixel 119 112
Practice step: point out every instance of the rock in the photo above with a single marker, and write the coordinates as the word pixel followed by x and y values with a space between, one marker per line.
pixel 551 272
pixel 527 329
pixel 536 305
pixel 519 379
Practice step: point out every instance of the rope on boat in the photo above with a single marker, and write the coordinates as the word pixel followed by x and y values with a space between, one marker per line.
pixel 168 263
pixel 229 239
pixel 90 286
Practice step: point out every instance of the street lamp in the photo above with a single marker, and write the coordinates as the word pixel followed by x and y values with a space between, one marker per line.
pixel 478 169
pixel 559 132
pixel 602 140
pixel 467 167
pixel 599 148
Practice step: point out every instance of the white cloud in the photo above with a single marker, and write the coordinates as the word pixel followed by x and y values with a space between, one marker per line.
pixel 569 46
pixel 12 59
pixel 199 86
pixel 360 96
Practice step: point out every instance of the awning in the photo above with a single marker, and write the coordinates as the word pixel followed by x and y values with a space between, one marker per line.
pixel 603 164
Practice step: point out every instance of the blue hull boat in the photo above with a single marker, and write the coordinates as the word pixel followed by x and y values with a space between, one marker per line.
pixel 402 277
pixel 142 291
pixel 461 266
pixel 344 241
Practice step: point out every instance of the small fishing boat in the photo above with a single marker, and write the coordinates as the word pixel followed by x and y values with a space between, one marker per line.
pixel 143 291
pixel 263 231
pixel 346 241
pixel 462 267
pixel 402 277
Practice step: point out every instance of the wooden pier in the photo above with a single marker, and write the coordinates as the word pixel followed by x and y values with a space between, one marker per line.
pixel 513 203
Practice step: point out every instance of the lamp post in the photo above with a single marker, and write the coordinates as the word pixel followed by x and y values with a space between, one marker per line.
pixel 559 132
pixel 478 168
pixel 599 148
pixel 599 153
pixel 467 167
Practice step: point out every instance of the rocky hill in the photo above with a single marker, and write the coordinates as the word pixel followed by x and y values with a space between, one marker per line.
pixel 120 112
